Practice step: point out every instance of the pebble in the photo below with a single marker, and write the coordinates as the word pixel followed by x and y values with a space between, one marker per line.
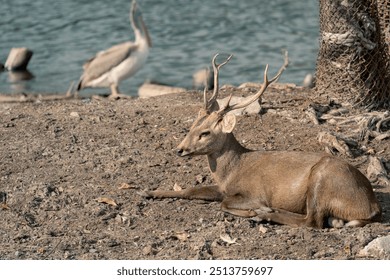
pixel 75 115
pixel 279 231
pixel 262 229
pixel 147 250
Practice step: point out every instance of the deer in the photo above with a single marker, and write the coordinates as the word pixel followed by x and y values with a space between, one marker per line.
pixel 294 188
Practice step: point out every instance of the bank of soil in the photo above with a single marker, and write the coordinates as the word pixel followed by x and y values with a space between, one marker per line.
pixel 71 170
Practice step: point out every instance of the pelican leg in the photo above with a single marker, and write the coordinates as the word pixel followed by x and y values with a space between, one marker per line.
pixel 115 93
pixel 71 92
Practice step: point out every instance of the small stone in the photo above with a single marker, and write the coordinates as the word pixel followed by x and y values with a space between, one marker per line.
pixel 279 231
pixel 200 179
pixel 263 229
pixel 147 250
pixel 74 115
pixel 177 188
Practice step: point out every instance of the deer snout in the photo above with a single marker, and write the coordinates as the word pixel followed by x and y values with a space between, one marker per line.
pixel 182 153
pixel 182 150
pixel 185 147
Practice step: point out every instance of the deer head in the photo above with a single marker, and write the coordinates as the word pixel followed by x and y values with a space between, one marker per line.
pixel 213 125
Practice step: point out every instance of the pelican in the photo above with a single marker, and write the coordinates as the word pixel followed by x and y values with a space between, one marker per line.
pixel 109 67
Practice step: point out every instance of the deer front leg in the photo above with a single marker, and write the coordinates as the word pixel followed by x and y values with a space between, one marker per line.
pixel 243 206
pixel 209 193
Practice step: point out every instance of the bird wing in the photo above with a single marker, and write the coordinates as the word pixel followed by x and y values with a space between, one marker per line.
pixel 105 60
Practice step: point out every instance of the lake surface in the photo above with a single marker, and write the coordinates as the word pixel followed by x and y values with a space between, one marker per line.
pixel 185 34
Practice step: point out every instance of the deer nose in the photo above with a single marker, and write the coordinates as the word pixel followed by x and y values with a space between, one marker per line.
pixel 180 152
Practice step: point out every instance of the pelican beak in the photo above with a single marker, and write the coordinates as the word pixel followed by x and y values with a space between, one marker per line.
pixel 133 9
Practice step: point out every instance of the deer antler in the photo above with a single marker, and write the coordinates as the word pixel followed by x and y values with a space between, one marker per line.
pixel 227 108
pixel 210 104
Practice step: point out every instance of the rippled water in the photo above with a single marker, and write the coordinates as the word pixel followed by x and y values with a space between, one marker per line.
pixel 185 35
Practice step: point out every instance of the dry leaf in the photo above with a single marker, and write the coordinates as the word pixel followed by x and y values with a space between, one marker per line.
pixel 126 186
pixel 107 200
pixel 182 236
pixel 262 229
pixel 177 188
pixel 147 250
pixel 226 237
pixel 4 206
pixel 41 250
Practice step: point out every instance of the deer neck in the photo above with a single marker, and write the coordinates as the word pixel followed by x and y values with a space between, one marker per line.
pixel 225 161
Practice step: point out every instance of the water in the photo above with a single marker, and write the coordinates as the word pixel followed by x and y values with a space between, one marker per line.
pixel 185 35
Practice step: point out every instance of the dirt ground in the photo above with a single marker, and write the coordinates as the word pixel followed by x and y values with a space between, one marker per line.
pixel 71 170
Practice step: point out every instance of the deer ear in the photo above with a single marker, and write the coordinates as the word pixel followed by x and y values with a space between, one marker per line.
pixel 228 123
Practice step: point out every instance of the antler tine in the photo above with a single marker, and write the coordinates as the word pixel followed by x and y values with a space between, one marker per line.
pixel 210 103
pixel 205 97
pixel 284 66
pixel 256 96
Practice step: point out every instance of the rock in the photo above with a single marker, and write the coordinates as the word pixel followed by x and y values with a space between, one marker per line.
pixel 250 85
pixel 151 90
pixel 252 109
pixel 308 81
pixel 378 248
pixel 148 250
pixel 18 59
pixel 74 115
pixel 263 229
pixel 376 170
pixel 203 78
pixel 279 231
pixel 200 179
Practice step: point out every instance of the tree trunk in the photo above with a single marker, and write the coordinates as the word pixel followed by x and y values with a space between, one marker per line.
pixel 354 57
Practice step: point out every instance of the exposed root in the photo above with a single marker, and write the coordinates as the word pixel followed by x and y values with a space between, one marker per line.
pixel 376 172
pixel 365 127
pixel 334 143
pixel 312 115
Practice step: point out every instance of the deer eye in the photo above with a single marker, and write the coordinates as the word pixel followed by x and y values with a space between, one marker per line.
pixel 204 134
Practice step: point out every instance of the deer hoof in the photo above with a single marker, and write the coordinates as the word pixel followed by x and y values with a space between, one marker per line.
pixel 335 223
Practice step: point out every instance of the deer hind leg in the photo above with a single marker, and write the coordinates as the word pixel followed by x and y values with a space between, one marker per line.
pixel 339 223
pixel 209 193
pixel 312 218
pixel 292 219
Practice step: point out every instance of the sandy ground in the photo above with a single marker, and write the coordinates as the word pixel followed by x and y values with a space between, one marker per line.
pixel 71 170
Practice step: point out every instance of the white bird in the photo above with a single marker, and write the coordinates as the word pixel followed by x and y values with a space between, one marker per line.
pixel 109 67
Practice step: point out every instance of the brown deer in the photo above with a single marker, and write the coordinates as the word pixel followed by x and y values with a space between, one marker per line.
pixel 285 187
